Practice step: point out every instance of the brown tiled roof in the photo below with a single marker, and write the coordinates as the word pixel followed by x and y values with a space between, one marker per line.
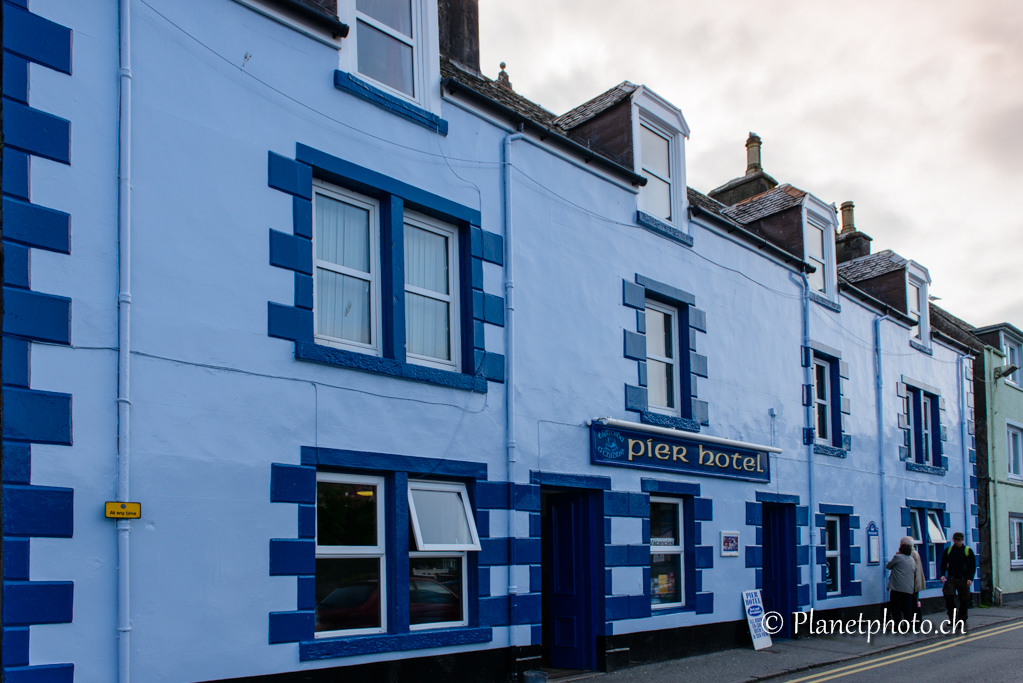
pixel 586 111
pixel 873 265
pixel 509 98
pixel 765 204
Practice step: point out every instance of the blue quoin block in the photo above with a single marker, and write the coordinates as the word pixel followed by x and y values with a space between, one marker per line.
pixel 639 555
pixel 17 269
pixel 37 39
pixel 633 295
pixel 288 175
pixel 475 242
pixel 493 309
pixel 642 378
pixel 704 603
pixel 307 521
pixel 526 497
pixel 291 252
pixel 492 495
pixel 616 556
pixel 701 412
pixel 36 226
pixel 36 316
pixel 639 505
pixel 16 362
pixel 616 608
pixel 526 608
pixel 854 554
pixel 477 305
pixel 535 578
pixel 291 627
pixel 526 551
pixel 535 526
pixel 288 322
pixel 802 555
pixel 476 266
pixel 754 556
pixel 493 367
pixel 38 511
pixel 607 530
pixel 302 217
pixel 483 582
pixel 698 319
pixel 616 504
pixel 704 557
pixel 854 522
pixel 703 509
pixel 646 531
pixel 493 552
pixel 536 635
pixel 698 364
pixel 16 88
pixel 821 555
pixel 17 462
pixel 639 606
pixel 698 533
pixel 635 345
pixel 493 248
pixel 292 557
pixel 15 643
pixel 608 582
pixel 38 602
pixel 635 398
pixel 493 611
pixel 16 554
pixel 306 592
pixel 36 132
pixel 292 484
pixel 478 335
pixel 803 594
pixel 758 580
pixel 483 523
pixel 802 515
pixel 303 291
pixel 43 673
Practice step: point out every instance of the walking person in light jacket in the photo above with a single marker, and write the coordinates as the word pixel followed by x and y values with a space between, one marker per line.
pixel 919 580
pixel 900 582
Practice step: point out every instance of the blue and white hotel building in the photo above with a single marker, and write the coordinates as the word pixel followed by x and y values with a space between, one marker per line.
pixel 410 377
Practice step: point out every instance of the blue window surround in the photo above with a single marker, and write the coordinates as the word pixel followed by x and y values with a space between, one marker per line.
pixel 695 511
pixel 755 552
pixel 31 416
pixel 935 462
pixel 659 227
pixel 297 557
pixel 691 364
pixel 838 375
pixel 849 552
pixel 349 83
pixel 294 252
pixel 920 507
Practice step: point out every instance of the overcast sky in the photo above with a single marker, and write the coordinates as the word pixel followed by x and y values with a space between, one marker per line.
pixel 912 109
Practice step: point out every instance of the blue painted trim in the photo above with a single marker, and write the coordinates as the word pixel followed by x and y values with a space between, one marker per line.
pixel 704 557
pixel 634 296
pixel 307 521
pixel 37 416
pixel 303 291
pixel 292 484
pixel 16 559
pixel 821 449
pixel 37 39
pixel 15 88
pixel 292 556
pixel 704 603
pixel 291 252
pixel 835 509
pixel 754 556
pixel 492 495
pixel 641 375
pixel 493 552
pixel 316 353
pixel 36 316
pixel 15 647
pixel 302 217
pixel 802 595
pixel 636 399
pixel 754 514
pixel 376 184
pixel 641 317
pixel 329 648
pixel 37 602
pixel 535 578
pixel 493 248
pixel 697 319
pixel 802 555
pixel 36 132
pixel 580 481
pixel 17 462
pixel 16 165
pixel 677 488
pixel 780 498
pixel 289 322
pixel 493 310
pixel 392 258
pixel 659 227
pixel 698 364
pixel 825 302
pixel 476 266
pixel 701 412
pixel 703 509
pixel 17 266
pixel 525 497
pixel 635 346
pixel 672 295
pixel 366 460
pixel 37 226
pixel 397 563
pixel 926 469
pixel 288 175
pixel 43 673
pixel 802 515
pixel 291 627
pixel 38 511
pixel 356 86
pixel 16 364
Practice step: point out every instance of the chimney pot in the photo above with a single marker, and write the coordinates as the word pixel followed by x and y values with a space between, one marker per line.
pixel 502 78
pixel 753 154
pixel 847 218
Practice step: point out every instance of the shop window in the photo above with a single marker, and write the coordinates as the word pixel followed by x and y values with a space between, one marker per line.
pixel 667 553
pixel 833 554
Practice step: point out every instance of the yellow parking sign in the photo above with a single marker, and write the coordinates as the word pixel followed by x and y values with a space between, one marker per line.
pixel 121 510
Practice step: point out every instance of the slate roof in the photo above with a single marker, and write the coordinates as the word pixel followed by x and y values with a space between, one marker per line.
pixel 741 180
pixel 765 204
pixel 873 265
pixel 956 328
pixel 708 204
pixel 509 98
pixel 586 111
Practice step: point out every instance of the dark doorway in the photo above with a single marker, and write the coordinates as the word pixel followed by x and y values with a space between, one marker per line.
pixel 779 552
pixel 570 520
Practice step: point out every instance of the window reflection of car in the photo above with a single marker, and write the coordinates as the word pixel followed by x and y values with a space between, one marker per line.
pixel 357 605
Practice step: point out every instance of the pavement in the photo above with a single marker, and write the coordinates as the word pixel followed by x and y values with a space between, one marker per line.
pixel 787 657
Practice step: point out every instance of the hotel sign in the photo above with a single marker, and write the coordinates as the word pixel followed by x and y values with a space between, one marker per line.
pixel 621 447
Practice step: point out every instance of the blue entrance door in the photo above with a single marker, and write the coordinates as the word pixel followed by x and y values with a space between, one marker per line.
pixel 779 571
pixel 568 565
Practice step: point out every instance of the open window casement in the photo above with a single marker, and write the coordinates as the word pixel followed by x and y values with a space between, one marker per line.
pixel 441 517
pixel 934 529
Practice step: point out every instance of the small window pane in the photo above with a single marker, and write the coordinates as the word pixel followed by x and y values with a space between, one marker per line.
pixel 934 530
pixel 346 514
pixel 660 383
pixel 664 529
pixel 1017 542
pixel 831 535
pixel 657 197
pixel 913 301
pixel 342 234
pixel 816 278
pixel 427 326
pixel 1015 452
pixel 435 589
pixel 658 333
pixel 441 517
pixel 347 593
pixel 426 259
pixel 665 578
pixel 385 59
pixel 914 521
pixel 815 243
pixel 394 13
pixel 655 153
pixel 822 421
pixel 342 306
pixel 832 578
pixel 821 384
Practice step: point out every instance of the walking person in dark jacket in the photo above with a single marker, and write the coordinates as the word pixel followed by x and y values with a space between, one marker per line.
pixel 958 563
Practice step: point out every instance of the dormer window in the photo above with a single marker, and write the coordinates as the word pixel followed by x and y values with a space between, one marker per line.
pixel 655 152
pixel 815 256
pixel 1013 348
pixel 913 308
pixel 819 248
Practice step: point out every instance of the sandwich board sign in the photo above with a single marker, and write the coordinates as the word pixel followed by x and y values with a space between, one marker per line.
pixel 754 607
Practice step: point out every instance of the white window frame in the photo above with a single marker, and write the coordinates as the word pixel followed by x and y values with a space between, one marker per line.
pixel 1013 347
pixel 934 522
pixel 1015 532
pixel 342 195
pixel 452 298
pixel 826 401
pixel 926 428
pixel 813 222
pixel 464 597
pixel 350 552
pixel 652 110
pixel 1010 429
pixel 663 133
pixel 837 552
pixel 677 549
pixel 918 276
pixel 676 387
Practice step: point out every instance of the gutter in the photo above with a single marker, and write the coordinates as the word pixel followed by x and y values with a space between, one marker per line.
pixel 317 19
pixel 760 242
pixel 879 403
pixel 457 87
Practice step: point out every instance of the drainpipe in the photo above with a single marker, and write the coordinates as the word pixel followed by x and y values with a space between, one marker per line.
pixel 879 386
pixel 990 385
pixel 509 349
pixel 808 380
pixel 123 346
pixel 961 388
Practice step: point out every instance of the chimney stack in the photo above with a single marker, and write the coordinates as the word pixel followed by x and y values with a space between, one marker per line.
pixel 459 25
pixel 753 154
pixel 850 243
pixel 502 78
